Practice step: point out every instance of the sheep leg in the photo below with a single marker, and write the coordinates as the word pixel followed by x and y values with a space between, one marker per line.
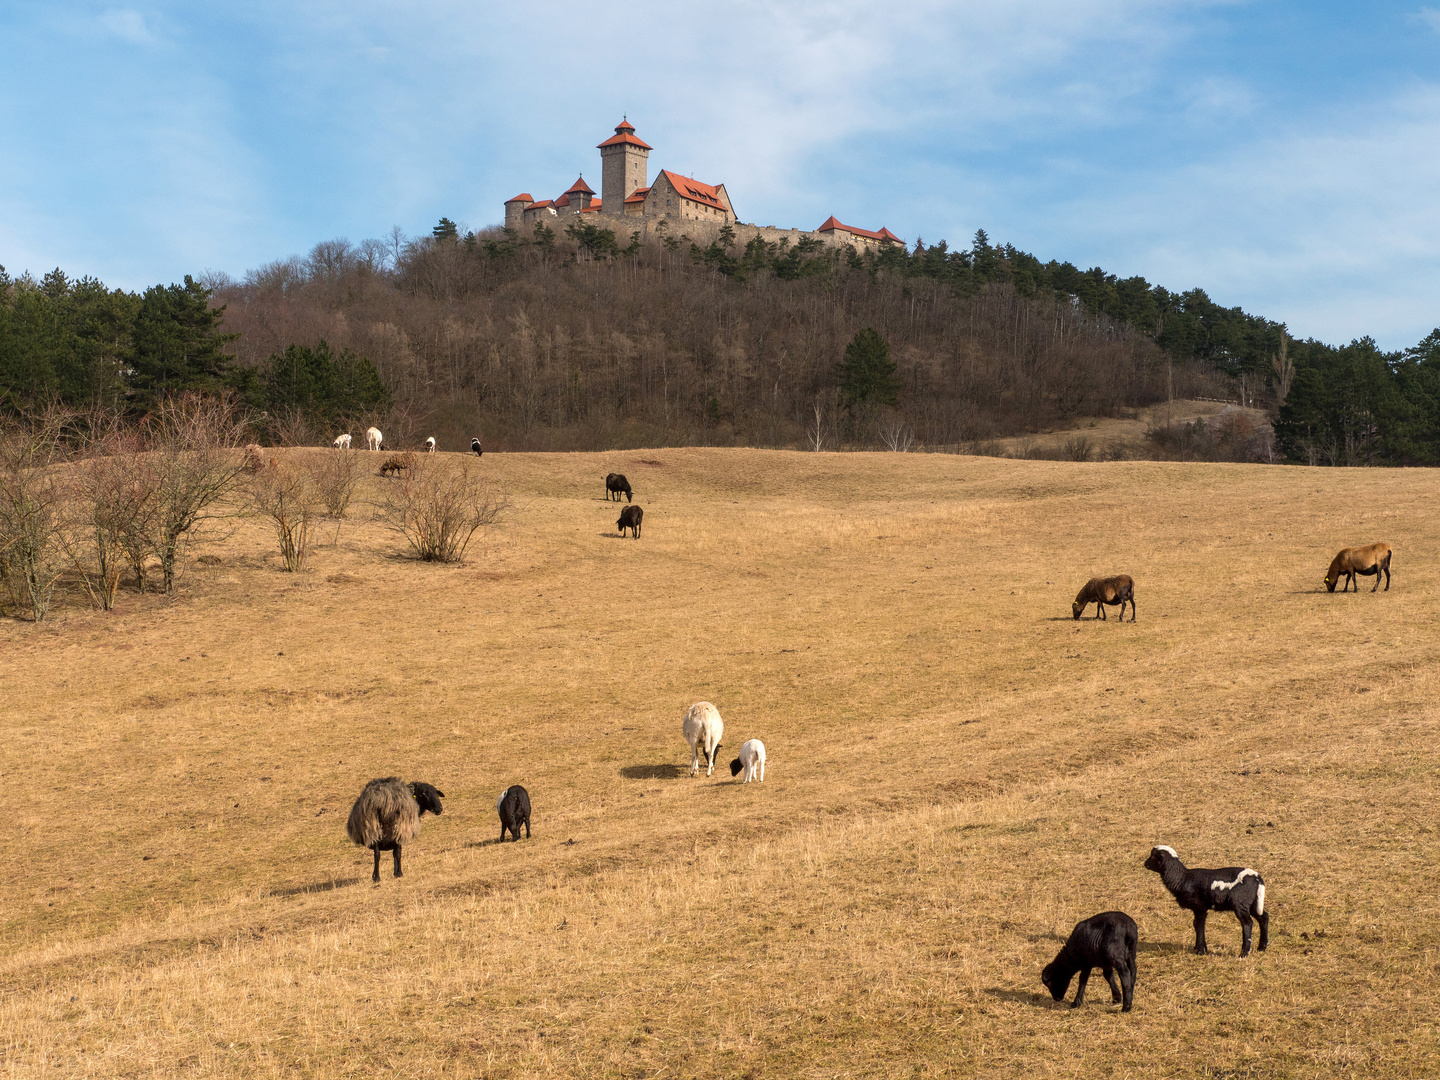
pixel 1377 580
pixel 527 831
pixel 397 861
pixel 1387 576
pixel 1200 932
pixel 1245 927
pixel 375 877
pixel 1080 989
pixel 1127 987
pixel 1115 994
pixel 1264 920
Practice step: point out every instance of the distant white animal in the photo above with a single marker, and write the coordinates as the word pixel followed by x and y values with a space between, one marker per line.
pixel 342 442
pixel 703 730
pixel 373 438
pixel 430 445
pixel 752 757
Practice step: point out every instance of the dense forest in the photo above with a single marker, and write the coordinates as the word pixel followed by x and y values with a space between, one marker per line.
pixel 586 340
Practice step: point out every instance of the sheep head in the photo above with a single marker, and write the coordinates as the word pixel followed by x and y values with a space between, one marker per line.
pixel 428 797
pixel 1076 608
pixel 1056 979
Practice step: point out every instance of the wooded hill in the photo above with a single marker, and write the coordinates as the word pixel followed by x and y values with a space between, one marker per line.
pixel 589 340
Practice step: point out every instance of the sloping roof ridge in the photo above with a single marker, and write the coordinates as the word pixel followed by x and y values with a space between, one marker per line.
pixel 524 196
pixel 694 190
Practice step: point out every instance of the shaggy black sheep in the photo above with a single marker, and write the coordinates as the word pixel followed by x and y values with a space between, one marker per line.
pixel 1107 941
pixel 630 518
pixel 387 815
pixel 1234 888
pixel 513 806
pixel 615 483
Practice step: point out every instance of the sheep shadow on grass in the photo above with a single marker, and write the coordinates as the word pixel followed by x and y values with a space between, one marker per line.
pixel 1022 997
pixel 316 887
pixel 654 772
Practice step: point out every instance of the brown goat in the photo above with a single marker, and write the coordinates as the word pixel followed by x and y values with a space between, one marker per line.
pixel 1371 559
pixel 1106 590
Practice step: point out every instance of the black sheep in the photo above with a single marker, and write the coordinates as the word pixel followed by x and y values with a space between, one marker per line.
pixel 1107 941
pixel 475 445
pixel 630 518
pixel 615 483
pixel 514 808
pixel 1234 888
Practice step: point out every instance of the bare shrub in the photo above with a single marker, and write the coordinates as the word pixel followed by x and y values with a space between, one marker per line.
pixel 195 462
pixel 336 475
pixel 32 524
pixel 439 506
pixel 254 457
pixel 1079 448
pixel 287 494
pixel 112 513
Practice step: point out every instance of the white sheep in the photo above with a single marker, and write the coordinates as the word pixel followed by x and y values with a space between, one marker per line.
pixel 373 438
pixel 342 442
pixel 752 757
pixel 430 445
pixel 703 728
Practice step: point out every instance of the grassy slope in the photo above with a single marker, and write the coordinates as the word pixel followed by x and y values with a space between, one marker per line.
pixel 958 772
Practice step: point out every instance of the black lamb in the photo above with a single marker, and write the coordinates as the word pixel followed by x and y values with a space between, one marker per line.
pixel 630 518
pixel 1234 888
pixel 514 808
pixel 1107 941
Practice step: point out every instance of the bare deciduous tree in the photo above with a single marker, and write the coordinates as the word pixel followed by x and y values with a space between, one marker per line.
pixel 895 432
pixel 31 513
pixel 195 461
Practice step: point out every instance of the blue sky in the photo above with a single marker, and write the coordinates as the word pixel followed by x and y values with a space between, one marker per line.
pixel 1284 156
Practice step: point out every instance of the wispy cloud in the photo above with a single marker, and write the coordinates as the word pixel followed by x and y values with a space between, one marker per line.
pixel 128 25
pixel 1430 17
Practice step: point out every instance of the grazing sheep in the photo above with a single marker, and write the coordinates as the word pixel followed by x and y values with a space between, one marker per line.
pixel 475 446
pixel 1235 888
pixel 703 729
pixel 373 439
pixel 513 805
pixel 342 442
pixel 1372 559
pixel 615 483
pixel 752 757
pixel 630 518
pixel 387 815
pixel 1107 941
pixel 1108 590
pixel 430 445
pixel 398 463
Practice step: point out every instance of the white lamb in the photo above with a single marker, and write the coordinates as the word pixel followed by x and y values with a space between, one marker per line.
pixel 430 445
pixel 373 438
pixel 752 757
pixel 703 729
pixel 342 442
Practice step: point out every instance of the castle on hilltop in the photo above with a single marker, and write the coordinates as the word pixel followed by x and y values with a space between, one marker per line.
pixel 630 202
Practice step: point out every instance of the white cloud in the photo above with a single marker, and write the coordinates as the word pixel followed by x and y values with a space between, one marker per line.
pixel 128 25
pixel 1431 17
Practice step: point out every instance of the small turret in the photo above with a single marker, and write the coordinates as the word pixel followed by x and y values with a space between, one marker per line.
pixel 515 210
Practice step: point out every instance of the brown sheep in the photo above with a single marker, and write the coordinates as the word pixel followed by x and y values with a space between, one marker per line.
pixel 1371 559
pixel 1106 590
pixel 398 463
pixel 387 814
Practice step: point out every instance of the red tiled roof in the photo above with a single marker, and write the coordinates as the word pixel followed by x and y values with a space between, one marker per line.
pixel 637 196
pixel 524 196
pixel 831 225
pixel 594 206
pixel 563 200
pixel 693 190
pixel 580 186
pixel 539 205
pixel 625 136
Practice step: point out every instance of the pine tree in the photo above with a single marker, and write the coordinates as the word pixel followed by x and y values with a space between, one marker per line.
pixel 867 374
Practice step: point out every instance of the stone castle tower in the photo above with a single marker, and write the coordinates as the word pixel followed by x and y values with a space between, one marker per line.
pixel 625 168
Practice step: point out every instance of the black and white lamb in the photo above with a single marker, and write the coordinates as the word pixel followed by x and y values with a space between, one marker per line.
pixel 1107 941
pixel 1234 888
pixel 387 815
pixel 513 805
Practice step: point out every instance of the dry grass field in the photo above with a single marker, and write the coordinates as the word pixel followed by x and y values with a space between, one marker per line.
pixel 958 773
